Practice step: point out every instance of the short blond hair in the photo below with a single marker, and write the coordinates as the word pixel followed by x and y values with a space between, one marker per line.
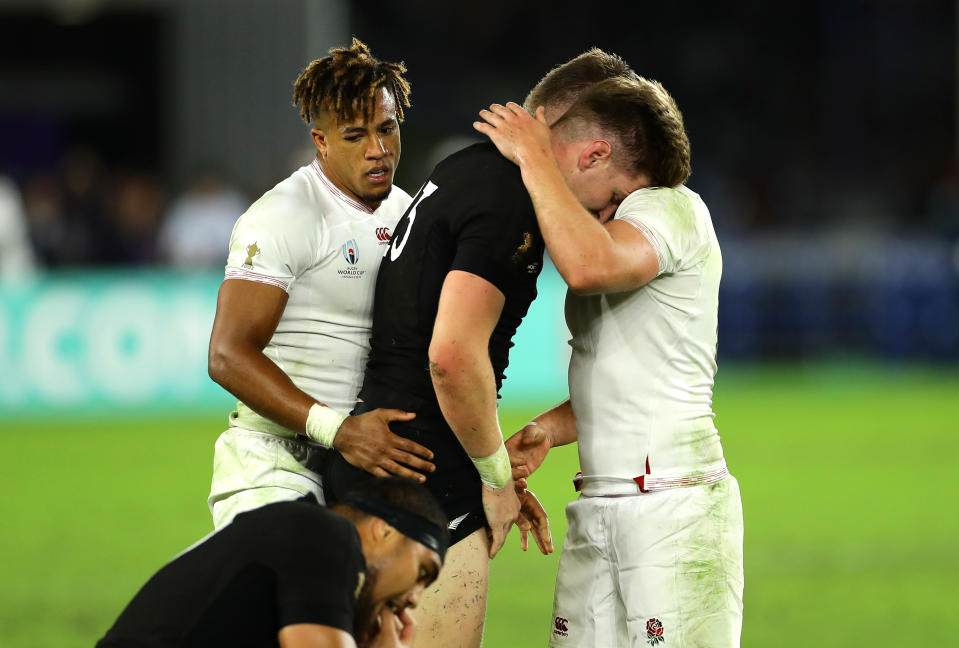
pixel 564 83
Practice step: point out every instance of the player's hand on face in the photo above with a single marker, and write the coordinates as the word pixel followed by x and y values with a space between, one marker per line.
pixel 366 442
pixel 527 449
pixel 532 517
pixel 502 507
pixel 396 630
pixel 520 137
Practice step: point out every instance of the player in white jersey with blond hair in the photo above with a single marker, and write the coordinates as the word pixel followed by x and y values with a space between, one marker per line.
pixel 294 313
pixel 653 552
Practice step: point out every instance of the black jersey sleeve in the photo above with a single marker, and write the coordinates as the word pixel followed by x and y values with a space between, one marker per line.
pixel 493 242
pixel 318 584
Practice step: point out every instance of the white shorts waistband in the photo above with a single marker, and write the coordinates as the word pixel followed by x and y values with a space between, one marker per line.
pixel 609 485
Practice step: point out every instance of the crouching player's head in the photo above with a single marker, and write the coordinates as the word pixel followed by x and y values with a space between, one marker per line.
pixel 402 529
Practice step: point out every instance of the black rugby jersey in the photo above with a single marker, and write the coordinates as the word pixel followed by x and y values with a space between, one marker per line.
pixel 278 565
pixel 473 214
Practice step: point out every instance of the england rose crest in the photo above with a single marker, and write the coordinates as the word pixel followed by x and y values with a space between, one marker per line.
pixel 654 632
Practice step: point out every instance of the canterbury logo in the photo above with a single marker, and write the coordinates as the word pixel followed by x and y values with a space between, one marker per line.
pixel 383 234
pixel 455 522
pixel 561 624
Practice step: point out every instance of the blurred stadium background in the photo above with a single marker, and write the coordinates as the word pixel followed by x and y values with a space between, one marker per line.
pixel 134 132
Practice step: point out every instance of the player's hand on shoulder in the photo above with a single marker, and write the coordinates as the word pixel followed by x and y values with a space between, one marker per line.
pixel 502 507
pixel 366 442
pixel 532 517
pixel 520 137
pixel 527 449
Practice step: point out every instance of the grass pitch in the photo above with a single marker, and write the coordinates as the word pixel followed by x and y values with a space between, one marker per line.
pixel 848 476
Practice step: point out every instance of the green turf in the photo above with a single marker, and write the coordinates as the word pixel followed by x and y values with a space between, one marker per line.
pixel 848 477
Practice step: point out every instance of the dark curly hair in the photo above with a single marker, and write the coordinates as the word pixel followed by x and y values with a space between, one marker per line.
pixel 345 82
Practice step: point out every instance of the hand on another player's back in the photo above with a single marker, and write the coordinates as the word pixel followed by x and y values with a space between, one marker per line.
pixel 502 507
pixel 366 442
pixel 527 449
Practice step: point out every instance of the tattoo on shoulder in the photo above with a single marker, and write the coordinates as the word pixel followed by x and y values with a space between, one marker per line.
pixel 436 369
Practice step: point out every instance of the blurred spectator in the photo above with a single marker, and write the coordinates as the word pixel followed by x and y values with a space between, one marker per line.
pixel 134 208
pixel 197 229
pixel 16 251
pixel 65 211
pixel 84 210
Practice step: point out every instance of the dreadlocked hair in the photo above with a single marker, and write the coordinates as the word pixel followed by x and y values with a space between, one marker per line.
pixel 345 83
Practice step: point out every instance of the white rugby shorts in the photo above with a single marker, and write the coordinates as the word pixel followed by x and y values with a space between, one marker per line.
pixel 658 569
pixel 251 469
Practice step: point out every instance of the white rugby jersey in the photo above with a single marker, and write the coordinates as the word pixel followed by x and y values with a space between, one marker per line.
pixel 324 248
pixel 643 361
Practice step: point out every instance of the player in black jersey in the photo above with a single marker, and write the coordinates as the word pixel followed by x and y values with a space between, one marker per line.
pixel 298 575
pixel 457 280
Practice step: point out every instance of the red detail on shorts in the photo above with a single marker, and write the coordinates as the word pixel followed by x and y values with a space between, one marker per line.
pixel 641 480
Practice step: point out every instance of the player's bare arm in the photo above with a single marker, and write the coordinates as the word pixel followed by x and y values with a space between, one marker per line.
pixel 592 253
pixel 527 451
pixel 246 317
pixel 469 308
pixel 528 447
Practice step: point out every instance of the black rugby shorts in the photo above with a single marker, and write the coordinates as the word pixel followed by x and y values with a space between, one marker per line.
pixel 455 483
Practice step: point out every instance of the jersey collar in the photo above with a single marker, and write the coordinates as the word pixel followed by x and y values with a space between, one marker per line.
pixel 337 192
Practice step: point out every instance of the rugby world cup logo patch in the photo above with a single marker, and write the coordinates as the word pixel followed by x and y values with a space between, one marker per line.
pixel 351 252
pixel 654 632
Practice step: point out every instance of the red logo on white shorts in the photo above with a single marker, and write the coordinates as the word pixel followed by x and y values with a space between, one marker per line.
pixel 654 632
pixel 561 626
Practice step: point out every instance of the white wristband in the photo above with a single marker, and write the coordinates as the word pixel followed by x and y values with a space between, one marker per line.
pixel 494 470
pixel 322 424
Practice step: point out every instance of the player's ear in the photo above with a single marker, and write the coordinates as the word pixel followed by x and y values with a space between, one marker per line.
pixel 319 139
pixel 595 153
pixel 382 532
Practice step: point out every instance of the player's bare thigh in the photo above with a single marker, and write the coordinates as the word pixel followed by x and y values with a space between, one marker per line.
pixel 452 612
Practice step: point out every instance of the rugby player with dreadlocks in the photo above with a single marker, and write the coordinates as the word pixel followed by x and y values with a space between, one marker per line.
pixel 291 334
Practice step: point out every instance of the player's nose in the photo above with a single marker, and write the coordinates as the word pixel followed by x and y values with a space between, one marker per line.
pixel 377 148
pixel 413 598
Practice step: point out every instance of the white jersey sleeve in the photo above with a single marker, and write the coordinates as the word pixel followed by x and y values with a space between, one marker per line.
pixel 274 250
pixel 668 219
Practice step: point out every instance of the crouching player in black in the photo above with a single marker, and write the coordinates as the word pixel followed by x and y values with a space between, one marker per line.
pixel 454 285
pixel 295 575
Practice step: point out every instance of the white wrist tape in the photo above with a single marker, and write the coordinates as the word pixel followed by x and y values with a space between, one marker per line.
pixel 322 424
pixel 494 470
